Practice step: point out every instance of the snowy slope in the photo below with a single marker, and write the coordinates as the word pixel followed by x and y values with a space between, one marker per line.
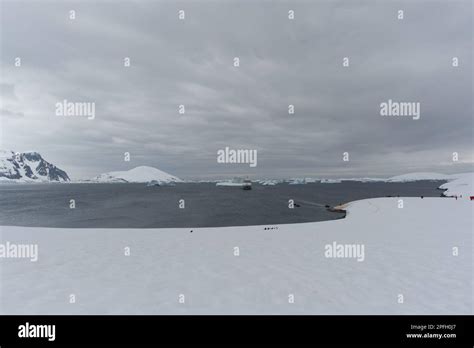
pixel 141 174
pixel 28 167
pixel 460 185
pixel 457 185
pixel 419 176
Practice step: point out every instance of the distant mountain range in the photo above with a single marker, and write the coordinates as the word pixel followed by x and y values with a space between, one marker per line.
pixel 32 167
pixel 28 167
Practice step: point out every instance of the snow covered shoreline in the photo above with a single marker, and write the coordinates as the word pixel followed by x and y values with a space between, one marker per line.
pixel 409 251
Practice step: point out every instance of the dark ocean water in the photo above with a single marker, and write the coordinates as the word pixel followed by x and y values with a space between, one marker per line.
pixel 206 205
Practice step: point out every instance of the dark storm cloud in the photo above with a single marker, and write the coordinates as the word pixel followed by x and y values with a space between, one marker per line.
pixel 282 62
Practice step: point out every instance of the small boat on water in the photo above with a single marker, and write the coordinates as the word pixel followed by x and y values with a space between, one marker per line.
pixel 247 185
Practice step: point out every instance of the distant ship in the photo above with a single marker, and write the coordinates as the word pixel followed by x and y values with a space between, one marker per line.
pixel 247 185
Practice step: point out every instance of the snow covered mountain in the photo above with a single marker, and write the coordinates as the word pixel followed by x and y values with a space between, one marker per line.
pixel 419 176
pixel 28 167
pixel 141 174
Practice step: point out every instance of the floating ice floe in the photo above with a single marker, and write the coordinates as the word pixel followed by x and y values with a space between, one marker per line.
pixel 330 181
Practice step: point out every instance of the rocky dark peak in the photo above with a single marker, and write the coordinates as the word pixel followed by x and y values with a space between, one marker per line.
pixel 30 166
pixel 32 156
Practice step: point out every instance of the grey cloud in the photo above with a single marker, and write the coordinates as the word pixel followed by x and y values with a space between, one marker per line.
pixel 9 113
pixel 282 62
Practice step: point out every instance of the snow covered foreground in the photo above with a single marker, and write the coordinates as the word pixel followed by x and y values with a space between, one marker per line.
pixel 408 251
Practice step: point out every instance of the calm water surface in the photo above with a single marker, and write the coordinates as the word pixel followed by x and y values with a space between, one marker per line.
pixel 206 205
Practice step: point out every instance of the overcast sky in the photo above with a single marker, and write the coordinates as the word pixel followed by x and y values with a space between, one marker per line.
pixel 282 62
